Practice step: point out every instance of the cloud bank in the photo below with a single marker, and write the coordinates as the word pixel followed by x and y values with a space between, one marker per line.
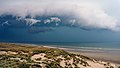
pixel 80 15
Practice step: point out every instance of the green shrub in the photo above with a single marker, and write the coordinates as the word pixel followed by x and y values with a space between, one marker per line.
pixel 53 65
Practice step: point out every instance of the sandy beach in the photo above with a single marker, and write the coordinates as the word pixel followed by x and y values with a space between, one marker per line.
pixel 55 56
pixel 103 56
pixel 109 56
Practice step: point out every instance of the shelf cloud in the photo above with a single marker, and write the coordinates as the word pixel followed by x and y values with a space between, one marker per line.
pixel 80 15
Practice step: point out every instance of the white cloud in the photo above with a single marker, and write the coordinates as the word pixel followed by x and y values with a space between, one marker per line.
pixel 30 22
pixel 72 21
pixel 87 15
pixel 55 19
pixel 47 21
pixel 97 18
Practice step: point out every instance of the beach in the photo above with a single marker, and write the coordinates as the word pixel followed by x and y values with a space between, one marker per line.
pixel 109 55
pixel 103 56
pixel 100 55
pixel 32 55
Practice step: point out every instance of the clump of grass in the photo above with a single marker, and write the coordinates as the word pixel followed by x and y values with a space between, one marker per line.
pixel 53 65
pixel 24 65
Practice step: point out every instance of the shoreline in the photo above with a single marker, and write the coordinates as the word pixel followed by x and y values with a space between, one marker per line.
pixel 101 56
pixel 43 56
pixel 98 55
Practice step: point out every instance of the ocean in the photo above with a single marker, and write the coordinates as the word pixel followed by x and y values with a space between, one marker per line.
pixel 100 47
pixel 80 46
pixel 106 46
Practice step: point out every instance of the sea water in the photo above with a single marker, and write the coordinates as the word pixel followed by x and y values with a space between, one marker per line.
pixel 106 46
pixel 82 46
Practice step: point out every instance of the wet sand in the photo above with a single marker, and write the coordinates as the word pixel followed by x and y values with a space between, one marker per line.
pixel 103 56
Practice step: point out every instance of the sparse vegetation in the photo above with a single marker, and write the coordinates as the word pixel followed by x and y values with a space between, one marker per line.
pixel 21 56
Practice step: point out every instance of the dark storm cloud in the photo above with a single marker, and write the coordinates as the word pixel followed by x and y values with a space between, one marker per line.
pixel 79 14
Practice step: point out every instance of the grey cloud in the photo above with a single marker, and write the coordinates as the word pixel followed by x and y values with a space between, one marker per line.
pixel 86 16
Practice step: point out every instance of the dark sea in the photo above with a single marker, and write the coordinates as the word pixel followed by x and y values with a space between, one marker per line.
pixel 100 47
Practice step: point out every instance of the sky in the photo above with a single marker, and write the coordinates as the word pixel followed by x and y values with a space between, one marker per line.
pixel 60 20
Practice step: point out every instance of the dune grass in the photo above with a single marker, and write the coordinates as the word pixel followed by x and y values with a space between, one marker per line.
pixel 22 58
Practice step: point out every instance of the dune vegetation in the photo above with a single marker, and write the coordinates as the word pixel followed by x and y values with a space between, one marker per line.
pixel 26 56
